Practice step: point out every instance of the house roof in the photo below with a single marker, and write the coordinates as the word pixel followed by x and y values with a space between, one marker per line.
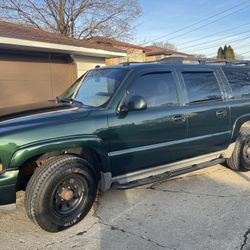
pixel 155 51
pixel 115 43
pixel 30 33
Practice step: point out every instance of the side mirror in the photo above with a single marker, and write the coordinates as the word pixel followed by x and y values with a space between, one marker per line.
pixel 133 103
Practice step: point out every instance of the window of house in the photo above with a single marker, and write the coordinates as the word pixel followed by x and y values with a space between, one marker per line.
pixel 201 86
pixel 158 89
pixel 239 79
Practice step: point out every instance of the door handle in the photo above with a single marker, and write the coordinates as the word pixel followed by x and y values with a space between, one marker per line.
pixel 179 118
pixel 221 113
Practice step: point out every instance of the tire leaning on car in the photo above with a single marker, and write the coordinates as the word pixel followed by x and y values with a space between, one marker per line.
pixel 240 159
pixel 60 193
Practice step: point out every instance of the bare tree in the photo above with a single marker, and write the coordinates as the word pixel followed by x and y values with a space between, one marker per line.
pixel 75 18
pixel 239 56
pixel 165 45
pixel 199 56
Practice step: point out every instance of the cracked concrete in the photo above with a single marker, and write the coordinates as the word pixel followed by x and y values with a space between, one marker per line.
pixel 136 235
pixel 208 209
pixel 243 246
pixel 195 193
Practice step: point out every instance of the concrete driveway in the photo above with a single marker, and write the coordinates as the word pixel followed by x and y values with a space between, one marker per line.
pixel 208 209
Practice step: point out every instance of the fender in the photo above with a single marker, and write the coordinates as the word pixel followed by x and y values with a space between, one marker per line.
pixel 238 124
pixel 92 142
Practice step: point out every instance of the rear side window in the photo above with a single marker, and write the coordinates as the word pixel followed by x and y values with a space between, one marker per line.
pixel 239 79
pixel 158 89
pixel 201 87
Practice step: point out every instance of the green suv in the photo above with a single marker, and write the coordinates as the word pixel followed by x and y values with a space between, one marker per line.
pixel 121 127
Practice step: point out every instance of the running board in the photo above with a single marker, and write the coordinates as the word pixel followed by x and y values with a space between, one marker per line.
pixel 165 176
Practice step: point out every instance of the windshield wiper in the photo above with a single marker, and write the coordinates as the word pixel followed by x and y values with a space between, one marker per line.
pixel 69 100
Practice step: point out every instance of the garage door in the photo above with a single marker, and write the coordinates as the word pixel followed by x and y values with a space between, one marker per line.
pixel 32 77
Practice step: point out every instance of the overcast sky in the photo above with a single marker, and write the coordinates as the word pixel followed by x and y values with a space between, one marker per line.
pixel 161 18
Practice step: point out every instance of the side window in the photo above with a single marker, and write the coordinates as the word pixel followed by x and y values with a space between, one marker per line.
pixel 239 79
pixel 201 86
pixel 158 89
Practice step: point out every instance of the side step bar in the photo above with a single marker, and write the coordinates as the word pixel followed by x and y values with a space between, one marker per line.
pixel 165 176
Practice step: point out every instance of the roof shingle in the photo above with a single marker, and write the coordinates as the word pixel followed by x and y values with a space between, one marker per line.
pixel 31 33
pixel 155 50
pixel 115 43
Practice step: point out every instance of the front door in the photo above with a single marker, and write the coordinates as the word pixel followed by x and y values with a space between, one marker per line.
pixel 151 137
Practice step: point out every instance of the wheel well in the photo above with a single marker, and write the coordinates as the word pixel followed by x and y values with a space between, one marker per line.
pixel 27 169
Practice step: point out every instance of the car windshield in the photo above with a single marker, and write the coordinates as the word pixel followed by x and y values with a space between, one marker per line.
pixel 96 87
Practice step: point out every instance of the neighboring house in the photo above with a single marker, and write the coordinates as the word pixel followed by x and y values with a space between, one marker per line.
pixel 37 65
pixel 155 53
pixel 135 53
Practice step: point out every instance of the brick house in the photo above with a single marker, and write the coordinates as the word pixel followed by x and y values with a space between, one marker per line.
pixel 134 52
pixel 155 53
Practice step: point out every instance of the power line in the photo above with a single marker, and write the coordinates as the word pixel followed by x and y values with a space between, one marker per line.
pixel 216 45
pixel 245 53
pixel 239 44
pixel 212 54
pixel 213 34
pixel 200 21
pixel 214 40
pixel 237 41
pixel 214 21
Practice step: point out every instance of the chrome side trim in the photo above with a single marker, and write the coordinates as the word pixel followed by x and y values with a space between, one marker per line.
pixel 168 167
pixel 163 144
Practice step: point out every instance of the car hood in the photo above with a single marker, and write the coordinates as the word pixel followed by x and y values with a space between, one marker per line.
pixel 32 109
pixel 39 114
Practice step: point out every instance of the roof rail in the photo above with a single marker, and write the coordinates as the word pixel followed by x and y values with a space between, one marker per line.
pixel 130 63
pixel 224 61
pixel 192 60
pixel 179 60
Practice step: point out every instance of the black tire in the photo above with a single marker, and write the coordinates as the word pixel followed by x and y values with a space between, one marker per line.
pixel 240 159
pixel 60 193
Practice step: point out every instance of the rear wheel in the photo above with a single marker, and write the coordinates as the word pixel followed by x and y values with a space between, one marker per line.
pixel 240 159
pixel 60 193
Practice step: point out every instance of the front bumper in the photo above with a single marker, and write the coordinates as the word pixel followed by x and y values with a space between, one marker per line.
pixel 8 181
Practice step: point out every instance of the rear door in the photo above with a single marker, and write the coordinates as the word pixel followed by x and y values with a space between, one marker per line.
pixel 207 110
pixel 238 79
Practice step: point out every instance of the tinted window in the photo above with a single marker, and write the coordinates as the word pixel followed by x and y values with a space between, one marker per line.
pixel 239 79
pixel 157 89
pixel 201 86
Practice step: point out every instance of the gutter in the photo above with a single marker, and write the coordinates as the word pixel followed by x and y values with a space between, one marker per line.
pixel 60 48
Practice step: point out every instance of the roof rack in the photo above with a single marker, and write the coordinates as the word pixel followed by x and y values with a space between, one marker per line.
pixel 129 63
pixel 224 61
pixel 179 60
pixel 193 60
